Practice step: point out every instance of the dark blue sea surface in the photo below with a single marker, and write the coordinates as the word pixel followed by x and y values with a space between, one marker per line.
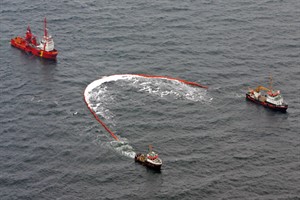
pixel 214 144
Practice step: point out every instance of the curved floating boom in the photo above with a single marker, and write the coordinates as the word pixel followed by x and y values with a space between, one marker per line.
pixel 86 93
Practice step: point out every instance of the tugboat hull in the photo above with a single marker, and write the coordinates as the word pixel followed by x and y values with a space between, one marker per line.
pixel 141 158
pixel 282 108
pixel 21 44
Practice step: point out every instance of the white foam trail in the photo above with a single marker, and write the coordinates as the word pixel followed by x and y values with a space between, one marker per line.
pixel 123 147
pixel 106 79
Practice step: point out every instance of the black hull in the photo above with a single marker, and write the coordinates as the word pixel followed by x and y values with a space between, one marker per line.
pixel 268 105
pixel 147 164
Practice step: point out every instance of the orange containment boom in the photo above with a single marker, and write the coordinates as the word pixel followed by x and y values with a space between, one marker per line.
pixel 177 79
pixel 101 122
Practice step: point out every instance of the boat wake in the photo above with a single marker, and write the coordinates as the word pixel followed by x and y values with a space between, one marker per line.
pixel 123 147
pixel 97 96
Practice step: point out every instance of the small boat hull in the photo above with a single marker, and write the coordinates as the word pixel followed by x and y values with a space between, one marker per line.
pixel 282 108
pixel 141 158
pixel 20 43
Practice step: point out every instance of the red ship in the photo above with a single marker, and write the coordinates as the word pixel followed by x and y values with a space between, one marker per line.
pixel 44 49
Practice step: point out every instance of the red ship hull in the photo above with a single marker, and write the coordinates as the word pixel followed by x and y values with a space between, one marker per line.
pixel 282 108
pixel 22 44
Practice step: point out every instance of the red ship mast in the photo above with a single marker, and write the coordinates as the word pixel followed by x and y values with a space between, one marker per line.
pixel 45 33
pixel 45 27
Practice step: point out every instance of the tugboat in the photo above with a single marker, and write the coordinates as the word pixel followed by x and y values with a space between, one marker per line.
pixel 44 49
pixel 150 160
pixel 271 99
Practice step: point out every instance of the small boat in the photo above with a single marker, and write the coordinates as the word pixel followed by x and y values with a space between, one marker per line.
pixel 150 160
pixel 44 49
pixel 270 99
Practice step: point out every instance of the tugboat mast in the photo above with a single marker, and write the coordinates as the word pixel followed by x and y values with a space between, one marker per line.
pixel 271 83
pixel 150 148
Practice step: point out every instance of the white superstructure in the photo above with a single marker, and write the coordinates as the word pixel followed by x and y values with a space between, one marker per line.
pixel 47 43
